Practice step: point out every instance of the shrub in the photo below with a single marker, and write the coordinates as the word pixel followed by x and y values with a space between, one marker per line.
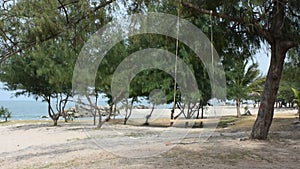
pixel 5 113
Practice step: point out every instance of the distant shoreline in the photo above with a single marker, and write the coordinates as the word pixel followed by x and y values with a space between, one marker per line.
pixel 32 112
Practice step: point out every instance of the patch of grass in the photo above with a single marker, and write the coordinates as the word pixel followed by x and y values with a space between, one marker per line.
pixel 163 122
pixel 233 157
pixel 283 122
pixel 224 121
pixel 14 122
pixel 244 123
pixel 226 156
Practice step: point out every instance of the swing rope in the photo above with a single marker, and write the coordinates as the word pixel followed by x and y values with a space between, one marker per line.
pixel 212 51
pixel 176 58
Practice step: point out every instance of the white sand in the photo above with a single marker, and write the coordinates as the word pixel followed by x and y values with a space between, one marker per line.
pixel 37 145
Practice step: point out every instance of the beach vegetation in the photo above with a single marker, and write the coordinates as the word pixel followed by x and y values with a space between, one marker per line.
pixel 5 113
pixel 29 32
pixel 241 80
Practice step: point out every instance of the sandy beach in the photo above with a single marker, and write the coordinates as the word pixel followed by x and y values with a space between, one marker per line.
pixel 37 144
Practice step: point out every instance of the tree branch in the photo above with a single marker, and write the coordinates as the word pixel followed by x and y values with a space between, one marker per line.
pixel 210 12
pixel 241 21
pixel 32 44
pixel 102 5
pixel 65 11
pixel 66 4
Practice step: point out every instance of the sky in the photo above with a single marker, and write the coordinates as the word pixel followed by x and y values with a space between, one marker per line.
pixel 261 57
pixel 8 95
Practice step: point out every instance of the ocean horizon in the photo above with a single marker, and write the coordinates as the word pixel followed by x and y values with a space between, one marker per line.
pixel 33 110
pixel 27 109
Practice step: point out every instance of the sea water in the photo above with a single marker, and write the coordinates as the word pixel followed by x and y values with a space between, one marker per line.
pixel 33 110
pixel 27 109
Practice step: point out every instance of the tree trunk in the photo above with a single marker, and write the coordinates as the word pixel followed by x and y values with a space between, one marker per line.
pixel 115 111
pixel 149 115
pixel 299 112
pixel 55 121
pixel 100 122
pixel 51 113
pixel 172 113
pixel 198 111
pixel 129 114
pixel 95 113
pixel 280 40
pixel 188 116
pixel 202 112
pixel 172 117
pixel 94 119
pixel 110 112
pixel 66 116
pixel 266 109
pixel 238 107
pixel 66 119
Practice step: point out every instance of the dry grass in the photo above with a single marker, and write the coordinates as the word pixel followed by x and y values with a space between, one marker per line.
pixel 244 123
pixel 280 151
pixel 14 122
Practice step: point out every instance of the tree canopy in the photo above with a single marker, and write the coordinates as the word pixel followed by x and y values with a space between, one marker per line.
pixel 45 37
pixel 241 80
pixel 275 22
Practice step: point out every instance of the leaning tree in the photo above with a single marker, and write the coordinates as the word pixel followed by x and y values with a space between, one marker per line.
pixel 273 21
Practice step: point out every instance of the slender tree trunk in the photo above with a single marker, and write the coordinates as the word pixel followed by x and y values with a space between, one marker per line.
pixel 238 107
pixel 100 122
pixel 115 111
pixel 110 112
pixel 129 114
pixel 198 111
pixel 172 113
pixel 55 121
pixel 95 113
pixel 51 113
pixel 149 115
pixel 280 104
pixel 172 117
pixel 65 117
pixel 299 112
pixel 64 103
pixel 188 116
pixel 94 117
pixel 126 112
pixel 64 114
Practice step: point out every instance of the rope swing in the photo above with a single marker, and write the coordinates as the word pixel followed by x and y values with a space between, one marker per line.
pixel 175 68
pixel 212 51
pixel 176 59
